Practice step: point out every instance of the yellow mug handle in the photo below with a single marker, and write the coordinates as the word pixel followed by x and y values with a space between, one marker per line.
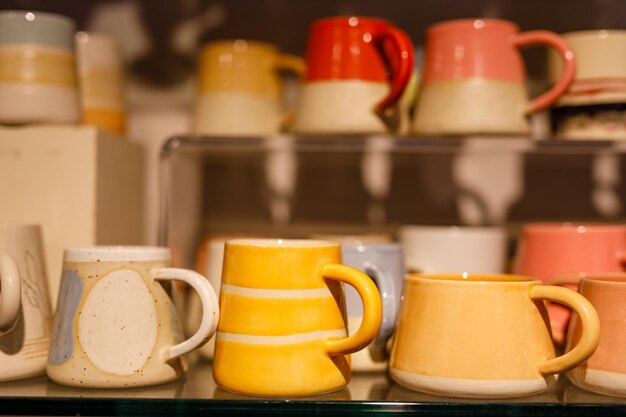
pixel 291 63
pixel 372 309
pixel 590 335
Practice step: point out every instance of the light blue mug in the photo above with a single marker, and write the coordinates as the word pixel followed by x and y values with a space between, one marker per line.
pixel 384 263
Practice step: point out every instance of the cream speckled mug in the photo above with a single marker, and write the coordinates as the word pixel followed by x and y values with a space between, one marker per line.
pixel 115 325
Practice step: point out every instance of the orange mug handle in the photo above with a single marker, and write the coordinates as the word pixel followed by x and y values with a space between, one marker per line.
pixel 553 40
pixel 372 309
pixel 404 56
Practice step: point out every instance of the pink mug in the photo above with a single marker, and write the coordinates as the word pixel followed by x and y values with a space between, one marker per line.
pixel 563 253
pixel 474 78
pixel 605 371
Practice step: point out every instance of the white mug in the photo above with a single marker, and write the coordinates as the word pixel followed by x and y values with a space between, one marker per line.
pixel 24 306
pixel 115 325
pixel 454 249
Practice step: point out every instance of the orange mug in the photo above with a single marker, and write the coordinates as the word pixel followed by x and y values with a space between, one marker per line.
pixel 474 78
pixel 562 253
pixel 357 67
pixel 605 371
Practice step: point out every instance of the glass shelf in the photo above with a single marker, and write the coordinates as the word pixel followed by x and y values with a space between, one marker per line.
pixel 366 394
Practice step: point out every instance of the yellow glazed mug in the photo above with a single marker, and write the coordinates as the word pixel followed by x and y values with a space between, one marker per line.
pixel 282 328
pixel 239 88
pixel 483 336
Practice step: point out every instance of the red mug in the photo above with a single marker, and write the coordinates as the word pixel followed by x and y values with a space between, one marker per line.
pixel 356 67
pixel 474 78
pixel 563 253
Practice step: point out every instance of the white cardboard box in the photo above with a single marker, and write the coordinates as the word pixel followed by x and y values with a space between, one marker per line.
pixel 83 185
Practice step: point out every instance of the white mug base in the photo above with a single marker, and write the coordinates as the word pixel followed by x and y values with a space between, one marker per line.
pixel 471 106
pixel 235 113
pixel 38 103
pixel 340 107
pixel 471 388
pixel 602 382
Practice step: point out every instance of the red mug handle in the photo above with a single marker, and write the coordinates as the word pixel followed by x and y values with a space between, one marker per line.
pixel 569 65
pixel 403 55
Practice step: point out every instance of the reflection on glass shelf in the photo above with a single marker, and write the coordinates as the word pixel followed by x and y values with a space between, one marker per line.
pixel 367 392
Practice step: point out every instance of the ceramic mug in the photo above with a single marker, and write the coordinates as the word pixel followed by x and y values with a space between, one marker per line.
pixel 483 336
pixel 605 371
pixel 357 68
pixel 24 320
pixel 451 249
pixel 562 253
pixel 37 71
pixel 594 106
pixel 474 79
pixel 239 88
pixel 384 264
pixel 282 330
pixel 115 326
pixel 101 80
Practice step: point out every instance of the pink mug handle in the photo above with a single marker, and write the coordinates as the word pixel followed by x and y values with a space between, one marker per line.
pixel 567 57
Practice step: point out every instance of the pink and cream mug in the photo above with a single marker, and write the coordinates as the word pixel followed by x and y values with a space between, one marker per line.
pixel 474 78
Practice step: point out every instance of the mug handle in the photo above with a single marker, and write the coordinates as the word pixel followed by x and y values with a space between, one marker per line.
pixel 210 307
pixel 11 294
pixel 372 309
pixel 291 63
pixel 385 284
pixel 589 321
pixel 404 56
pixel 553 40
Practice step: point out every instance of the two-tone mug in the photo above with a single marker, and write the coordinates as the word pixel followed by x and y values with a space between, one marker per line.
pixel 282 328
pixel 37 70
pixel 384 264
pixel 115 326
pixel 101 80
pixel 357 68
pixel 474 78
pixel 594 106
pixel 563 253
pixel 24 319
pixel 605 371
pixel 239 88
pixel 452 249
pixel 483 336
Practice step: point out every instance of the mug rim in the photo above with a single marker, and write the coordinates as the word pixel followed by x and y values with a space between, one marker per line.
pixel 281 243
pixel 594 33
pixel 376 246
pixel 472 278
pixel 229 42
pixel 331 20
pixel 451 229
pixel 610 278
pixel 453 24
pixel 46 16
pixel 573 227
pixel 117 253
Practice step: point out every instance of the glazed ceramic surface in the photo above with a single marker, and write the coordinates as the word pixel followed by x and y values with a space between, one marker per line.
pixel 594 106
pixel 282 331
pixel 115 325
pixel 239 88
pixel 37 74
pixel 101 81
pixel 562 253
pixel 384 264
pixel 357 67
pixel 474 80
pixel 605 371
pixel 25 306
pixel 483 336
pixel 450 249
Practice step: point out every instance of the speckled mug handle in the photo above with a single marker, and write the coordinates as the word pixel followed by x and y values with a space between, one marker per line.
pixel 11 291
pixel 210 307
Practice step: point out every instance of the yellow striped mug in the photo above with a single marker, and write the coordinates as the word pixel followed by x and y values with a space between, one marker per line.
pixel 282 328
